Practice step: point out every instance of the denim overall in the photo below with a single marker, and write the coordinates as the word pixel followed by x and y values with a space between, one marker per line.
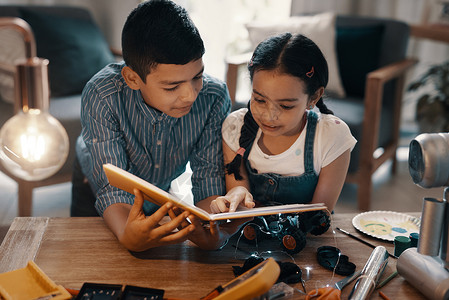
pixel 273 189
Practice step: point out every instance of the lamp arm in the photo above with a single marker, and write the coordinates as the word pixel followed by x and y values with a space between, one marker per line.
pixel 31 75
pixel 24 29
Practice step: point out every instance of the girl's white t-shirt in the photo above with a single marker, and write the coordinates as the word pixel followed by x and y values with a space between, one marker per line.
pixel 332 138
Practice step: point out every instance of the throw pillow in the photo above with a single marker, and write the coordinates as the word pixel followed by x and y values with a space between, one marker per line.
pixel 75 48
pixel 358 54
pixel 12 48
pixel 319 28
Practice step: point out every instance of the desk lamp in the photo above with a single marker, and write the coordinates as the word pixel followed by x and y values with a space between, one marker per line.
pixel 427 266
pixel 33 144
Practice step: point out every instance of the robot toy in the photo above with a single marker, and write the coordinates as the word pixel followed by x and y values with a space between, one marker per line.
pixel 289 229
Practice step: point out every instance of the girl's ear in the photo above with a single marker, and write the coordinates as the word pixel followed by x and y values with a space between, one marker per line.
pixel 132 79
pixel 317 96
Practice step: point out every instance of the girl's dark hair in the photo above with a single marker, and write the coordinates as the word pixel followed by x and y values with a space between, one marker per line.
pixel 159 32
pixel 294 55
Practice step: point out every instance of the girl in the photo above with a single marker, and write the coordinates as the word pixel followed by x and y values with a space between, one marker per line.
pixel 278 150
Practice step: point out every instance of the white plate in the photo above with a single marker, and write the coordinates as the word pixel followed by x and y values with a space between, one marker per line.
pixel 386 225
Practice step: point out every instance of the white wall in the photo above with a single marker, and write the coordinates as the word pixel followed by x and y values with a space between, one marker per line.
pixel 315 6
pixel 222 25
pixel 110 16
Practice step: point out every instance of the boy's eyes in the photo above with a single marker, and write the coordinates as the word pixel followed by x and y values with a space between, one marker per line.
pixel 199 77
pixel 172 89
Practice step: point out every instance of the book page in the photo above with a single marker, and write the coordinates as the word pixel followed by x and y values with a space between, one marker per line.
pixel 244 212
pixel 126 181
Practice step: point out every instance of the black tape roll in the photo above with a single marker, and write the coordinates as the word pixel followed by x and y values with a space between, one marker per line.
pixel 328 256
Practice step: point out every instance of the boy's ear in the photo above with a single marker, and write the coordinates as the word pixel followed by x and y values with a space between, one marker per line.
pixel 132 79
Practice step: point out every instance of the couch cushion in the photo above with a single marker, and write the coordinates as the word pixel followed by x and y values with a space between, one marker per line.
pixel 358 51
pixel 319 28
pixel 75 48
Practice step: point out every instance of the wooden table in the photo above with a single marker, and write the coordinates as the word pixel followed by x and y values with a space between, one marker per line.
pixel 72 251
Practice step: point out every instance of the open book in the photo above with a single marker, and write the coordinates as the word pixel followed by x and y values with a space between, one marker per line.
pixel 126 181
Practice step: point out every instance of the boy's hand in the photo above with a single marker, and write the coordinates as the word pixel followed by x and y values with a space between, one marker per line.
pixel 231 200
pixel 142 232
pixel 215 235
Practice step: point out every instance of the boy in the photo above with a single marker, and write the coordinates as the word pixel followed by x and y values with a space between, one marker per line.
pixel 150 115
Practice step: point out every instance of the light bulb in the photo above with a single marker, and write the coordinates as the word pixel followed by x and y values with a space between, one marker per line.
pixel 33 145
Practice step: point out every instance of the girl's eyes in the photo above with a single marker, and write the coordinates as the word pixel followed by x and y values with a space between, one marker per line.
pixel 286 107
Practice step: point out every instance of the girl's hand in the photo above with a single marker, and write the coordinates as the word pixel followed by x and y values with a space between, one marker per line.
pixel 231 200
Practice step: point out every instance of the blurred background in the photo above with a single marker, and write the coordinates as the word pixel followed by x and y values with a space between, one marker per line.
pixel 222 26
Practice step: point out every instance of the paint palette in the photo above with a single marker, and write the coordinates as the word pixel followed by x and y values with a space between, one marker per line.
pixel 386 225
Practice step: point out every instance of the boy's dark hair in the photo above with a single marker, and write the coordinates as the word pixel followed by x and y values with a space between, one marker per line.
pixel 159 32
pixel 294 55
